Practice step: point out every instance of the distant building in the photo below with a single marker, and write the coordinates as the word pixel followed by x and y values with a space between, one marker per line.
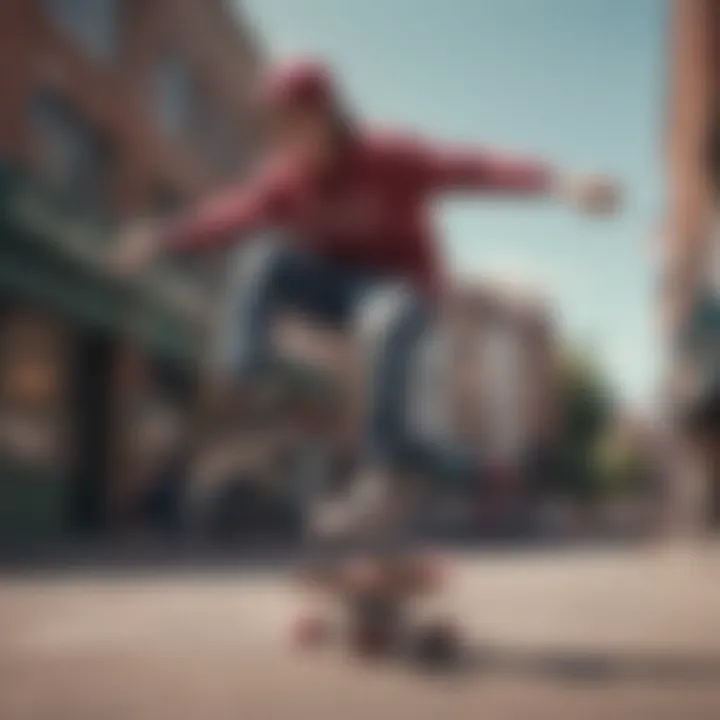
pixel 495 388
pixel 506 398
pixel 505 368
pixel 111 109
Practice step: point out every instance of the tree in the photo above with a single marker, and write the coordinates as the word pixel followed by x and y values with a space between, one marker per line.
pixel 588 407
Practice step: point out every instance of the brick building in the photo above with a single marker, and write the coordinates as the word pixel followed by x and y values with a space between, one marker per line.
pixel 505 342
pixel 690 298
pixel 109 109
pixel 506 399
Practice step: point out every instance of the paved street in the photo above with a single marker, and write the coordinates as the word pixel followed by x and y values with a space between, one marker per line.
pixel 566 635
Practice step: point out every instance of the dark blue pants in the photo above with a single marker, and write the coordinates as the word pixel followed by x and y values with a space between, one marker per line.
pixel 390 317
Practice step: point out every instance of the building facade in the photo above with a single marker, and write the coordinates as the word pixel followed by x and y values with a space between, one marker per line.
pixel 505 392
pixel 111 110
pixel 690 294
pixel 506 398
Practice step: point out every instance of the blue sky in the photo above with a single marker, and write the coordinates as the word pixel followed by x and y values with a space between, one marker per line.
pixel 580 82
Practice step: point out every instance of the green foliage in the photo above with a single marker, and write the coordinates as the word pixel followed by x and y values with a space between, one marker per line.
pixel 589 409
pixel 620 468
pixel 587 398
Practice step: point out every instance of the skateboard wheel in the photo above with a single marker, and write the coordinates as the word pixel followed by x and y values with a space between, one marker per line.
pixel 434 572
pixel 363 576
pixel 310 632
pixel 371 642
pixel 437 644
pixel 308 578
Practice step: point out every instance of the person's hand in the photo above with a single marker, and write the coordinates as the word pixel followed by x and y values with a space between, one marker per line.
pixel 594 195
pixel 136 250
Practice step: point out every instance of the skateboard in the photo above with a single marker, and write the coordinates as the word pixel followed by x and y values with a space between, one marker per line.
pixel 375 596
pixel 377 619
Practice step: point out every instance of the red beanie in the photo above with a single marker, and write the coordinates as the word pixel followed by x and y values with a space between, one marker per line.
pixel 296 84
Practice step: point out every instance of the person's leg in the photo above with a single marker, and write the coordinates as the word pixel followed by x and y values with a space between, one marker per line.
pixel 380 509
pixel 376 515
pixel 267 277
pixel 396 327
pixel 391 321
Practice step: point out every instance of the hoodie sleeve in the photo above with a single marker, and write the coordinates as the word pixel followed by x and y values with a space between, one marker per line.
pixel 457 169
pixel 225 218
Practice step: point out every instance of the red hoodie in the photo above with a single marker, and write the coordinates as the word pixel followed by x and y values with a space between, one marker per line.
pixel 371 211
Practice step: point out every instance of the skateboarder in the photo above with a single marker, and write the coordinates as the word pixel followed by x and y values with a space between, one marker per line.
pixel 338 223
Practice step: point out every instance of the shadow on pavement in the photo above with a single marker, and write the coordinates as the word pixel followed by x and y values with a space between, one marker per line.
pixel 589 666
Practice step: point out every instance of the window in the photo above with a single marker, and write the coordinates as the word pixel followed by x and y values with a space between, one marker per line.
pixel 712 260
pixel 430 409
pixel 504 379
pixel 218 140
pixel 32 378
pixel 711 268
pixel 175 95
pixel 92 24
pixel 712 151
pixel 69 156
pixel 165 201
pixel 186 111
pixel 226 6
pixel 220 143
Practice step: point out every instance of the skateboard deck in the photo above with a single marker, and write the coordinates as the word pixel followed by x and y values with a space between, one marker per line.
pixel 376 617
pixel 429 643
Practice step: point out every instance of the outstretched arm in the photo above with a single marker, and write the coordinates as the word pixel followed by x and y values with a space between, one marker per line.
pixel 218 220
pixel 466 169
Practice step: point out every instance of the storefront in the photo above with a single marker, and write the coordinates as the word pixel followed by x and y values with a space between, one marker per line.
pixel 65 329
pixel 34 434
pixel 697 388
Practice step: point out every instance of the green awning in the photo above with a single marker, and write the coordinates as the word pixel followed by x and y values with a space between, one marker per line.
pixel 50 257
